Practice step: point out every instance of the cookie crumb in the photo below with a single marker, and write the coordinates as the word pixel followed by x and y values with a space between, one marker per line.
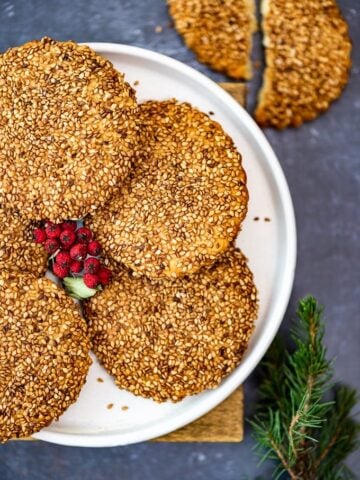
pixel 256 219
pixel 136 83
pixel 158 29
pixel 100 380
pixel 267 219
pixel 257 64
pixel 211 113
pixel 124 408
pixel 109 406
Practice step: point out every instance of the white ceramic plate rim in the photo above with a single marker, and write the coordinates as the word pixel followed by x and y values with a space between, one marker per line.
pixel 278 307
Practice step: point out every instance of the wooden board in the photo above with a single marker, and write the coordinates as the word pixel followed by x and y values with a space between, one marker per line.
pixel 236 89
pixel 223 424
pixel 226 422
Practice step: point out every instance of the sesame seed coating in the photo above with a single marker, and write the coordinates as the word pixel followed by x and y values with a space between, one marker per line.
pixel 183 203
pixel 166 339
pixel 66 129
pixel 308 60
pixel 17 248
pixel 44 353
pixel 218 31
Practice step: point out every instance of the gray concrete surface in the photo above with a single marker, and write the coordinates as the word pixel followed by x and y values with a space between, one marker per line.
pixel 321 163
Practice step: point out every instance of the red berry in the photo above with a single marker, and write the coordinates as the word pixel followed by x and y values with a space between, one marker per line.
pixel 78 252
pixel 67 238
pixel 60 271
pixel 76 267
pixel 39 235
pixel 94 248
pixel 84 235
pixel 69 225
pixel 91 280
pixel 63 259
pixel 53 231
pixel 104 275
pixel 91 265
pixel 51 245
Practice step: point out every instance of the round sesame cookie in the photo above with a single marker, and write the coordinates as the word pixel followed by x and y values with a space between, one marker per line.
pixel 66 129
pixel 44 353
pixel 307 49
pixel 175 337
pixel 218 31
pixel 17 248
pixel 183 203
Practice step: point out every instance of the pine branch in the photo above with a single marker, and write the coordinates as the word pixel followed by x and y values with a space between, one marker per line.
pixel 340 435
pixel 309 437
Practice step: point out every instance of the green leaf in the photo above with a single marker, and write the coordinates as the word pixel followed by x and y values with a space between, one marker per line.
pixel 77 289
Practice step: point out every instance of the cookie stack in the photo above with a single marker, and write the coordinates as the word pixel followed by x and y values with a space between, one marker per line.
pixel 163 188
pixel 180 313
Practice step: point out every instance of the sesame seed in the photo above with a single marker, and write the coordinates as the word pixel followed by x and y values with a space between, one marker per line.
pixel 17 248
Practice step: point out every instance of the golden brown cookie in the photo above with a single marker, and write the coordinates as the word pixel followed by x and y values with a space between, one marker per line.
pixel 44 353
pixel 17 248
pixel 218 31
pixel 185 200
pixel 172 338
pixel 307 60
pixel 66 129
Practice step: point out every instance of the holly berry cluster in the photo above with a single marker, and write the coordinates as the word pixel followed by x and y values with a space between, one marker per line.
pixel 73 252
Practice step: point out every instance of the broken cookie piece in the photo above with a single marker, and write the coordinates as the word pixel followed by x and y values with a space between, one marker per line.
pixel 218 31
pixel 307 60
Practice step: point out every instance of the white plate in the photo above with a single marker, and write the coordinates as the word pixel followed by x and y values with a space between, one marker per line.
pixel 270 247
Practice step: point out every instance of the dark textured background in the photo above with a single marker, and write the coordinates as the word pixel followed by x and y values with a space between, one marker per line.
pixel 321 163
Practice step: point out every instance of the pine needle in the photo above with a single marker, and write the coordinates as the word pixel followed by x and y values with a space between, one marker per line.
pixel 309 437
